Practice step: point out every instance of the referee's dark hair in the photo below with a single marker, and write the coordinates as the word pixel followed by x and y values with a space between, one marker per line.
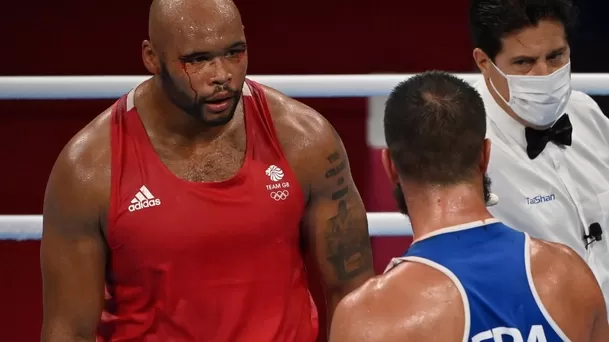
pixel 492 20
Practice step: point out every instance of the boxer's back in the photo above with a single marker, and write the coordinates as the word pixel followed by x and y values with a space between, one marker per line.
pixel 485 283
pixel 489 265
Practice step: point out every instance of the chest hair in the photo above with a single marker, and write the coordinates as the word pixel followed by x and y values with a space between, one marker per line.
pixel 218 161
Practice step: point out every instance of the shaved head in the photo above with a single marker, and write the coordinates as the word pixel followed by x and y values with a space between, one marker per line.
pixel 198 52
pixel 189 17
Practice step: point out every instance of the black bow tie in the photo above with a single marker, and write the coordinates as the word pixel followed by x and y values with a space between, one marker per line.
pixel 537 140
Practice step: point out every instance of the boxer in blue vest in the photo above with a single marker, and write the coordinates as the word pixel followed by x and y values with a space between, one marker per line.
pixel 467 276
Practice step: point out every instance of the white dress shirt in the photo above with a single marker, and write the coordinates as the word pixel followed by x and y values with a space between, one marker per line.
pixel 562 191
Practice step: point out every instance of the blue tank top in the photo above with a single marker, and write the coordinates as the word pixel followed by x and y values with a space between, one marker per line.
pixel 489 263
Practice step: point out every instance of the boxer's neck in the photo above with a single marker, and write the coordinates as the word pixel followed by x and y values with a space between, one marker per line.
pixel 431 208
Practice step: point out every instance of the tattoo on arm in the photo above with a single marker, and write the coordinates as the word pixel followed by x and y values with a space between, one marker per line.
pixel 333 157
pixel 348 247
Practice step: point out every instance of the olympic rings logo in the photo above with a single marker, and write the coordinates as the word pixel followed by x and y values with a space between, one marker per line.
pixel 279 195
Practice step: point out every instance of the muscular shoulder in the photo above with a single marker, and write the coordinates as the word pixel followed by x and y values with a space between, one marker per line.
pixel 298 126
pixel 89 149
pixel 84 163
pixel 306 137
pixel 558 263
pixel 78 190
pixel 411 302
pixel 559 272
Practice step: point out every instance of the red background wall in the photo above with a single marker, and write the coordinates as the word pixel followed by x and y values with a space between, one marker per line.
pixel 285 37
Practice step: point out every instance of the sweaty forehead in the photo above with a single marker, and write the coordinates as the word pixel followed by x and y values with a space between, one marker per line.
pixel 194 24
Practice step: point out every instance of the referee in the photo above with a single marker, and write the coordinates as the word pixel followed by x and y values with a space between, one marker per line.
pixel 550 144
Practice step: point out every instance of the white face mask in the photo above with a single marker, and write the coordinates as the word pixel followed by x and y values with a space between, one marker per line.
pixel 539 100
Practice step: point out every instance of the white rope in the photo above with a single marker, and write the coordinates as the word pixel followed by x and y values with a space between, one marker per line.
pixel 29 227
pixel 111 87
pixel 20 227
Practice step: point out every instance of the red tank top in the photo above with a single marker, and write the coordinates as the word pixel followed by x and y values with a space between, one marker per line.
pixel 205 261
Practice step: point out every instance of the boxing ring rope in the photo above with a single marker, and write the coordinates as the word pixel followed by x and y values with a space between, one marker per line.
pixel 111 87
pixel 29 227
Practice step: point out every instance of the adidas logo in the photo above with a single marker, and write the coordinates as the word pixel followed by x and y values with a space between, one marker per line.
pixel 143 199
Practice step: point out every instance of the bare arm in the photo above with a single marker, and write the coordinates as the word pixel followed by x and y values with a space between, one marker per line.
pixel 593 295
pixel 588 294
pixel 335 223
pixel 72 252
pixel 600 330
pixel 559 272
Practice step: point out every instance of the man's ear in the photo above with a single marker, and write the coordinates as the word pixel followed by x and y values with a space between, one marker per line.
pixel 150 59
pixel 389 166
